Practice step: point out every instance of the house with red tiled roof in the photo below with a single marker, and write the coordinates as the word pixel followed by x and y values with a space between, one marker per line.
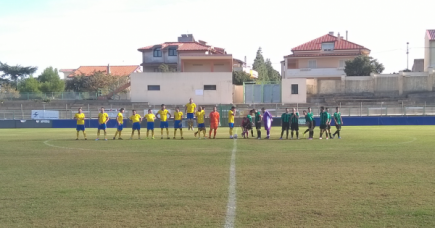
pixel 323 57
pixel 429 51
pixel 113 70
pixel 186 55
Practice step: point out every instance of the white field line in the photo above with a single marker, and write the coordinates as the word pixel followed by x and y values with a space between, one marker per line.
pixel 67 148
pixel 231 206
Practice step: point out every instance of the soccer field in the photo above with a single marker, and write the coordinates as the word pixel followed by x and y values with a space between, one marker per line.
pixel 380 176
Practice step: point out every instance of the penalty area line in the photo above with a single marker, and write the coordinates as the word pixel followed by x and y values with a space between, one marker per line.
pixel 67 148
pixel 231 205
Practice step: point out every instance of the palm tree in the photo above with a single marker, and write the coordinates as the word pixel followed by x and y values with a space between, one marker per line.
pixel 16 72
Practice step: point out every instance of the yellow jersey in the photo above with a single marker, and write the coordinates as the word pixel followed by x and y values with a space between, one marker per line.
pixel 163 115
pixel 135 118
pixel 190 107
pixel 230 116
pixel 102 118
pixel 178 115
pixel 200 116
pixel 150 117
pixel 80 118
pixel 120 118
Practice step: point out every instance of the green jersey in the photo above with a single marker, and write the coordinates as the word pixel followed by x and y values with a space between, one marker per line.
pixel 323 118
pixel 308 117
pixel 257 117
pixel 329 117
pixel 249 118
pixel 295 117
pixel 285 117
pixel 337 117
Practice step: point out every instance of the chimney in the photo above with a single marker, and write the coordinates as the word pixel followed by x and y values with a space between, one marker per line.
pixel 338 37
pixel 186 38
pixel 244 64
pixel 331 33
pixel 202 42
pixel 346 34
pixel 108 69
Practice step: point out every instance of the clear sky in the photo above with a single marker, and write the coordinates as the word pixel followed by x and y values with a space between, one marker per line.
pixel 71 33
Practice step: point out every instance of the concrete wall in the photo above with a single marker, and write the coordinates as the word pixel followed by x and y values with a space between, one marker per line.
pixel 238 94
pixel 329 86
pixel 287 96
pixel 359 84
pixel 322 62
pixel 378 84
pixel 177 88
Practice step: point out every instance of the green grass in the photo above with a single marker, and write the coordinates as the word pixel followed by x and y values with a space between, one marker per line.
pixel 373 177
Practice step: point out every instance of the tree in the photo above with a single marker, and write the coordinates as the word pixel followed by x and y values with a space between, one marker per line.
pixel 50 81
pixel 240 76
pixel 271 72
pixel 14 73
pixel 363 66
pixel 7 91
pixel 28 85
pixel 77 84
pixel 260 66
pixel 96 81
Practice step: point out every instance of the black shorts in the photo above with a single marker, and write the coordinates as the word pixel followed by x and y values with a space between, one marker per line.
pixel 323 126
pixel 248 126
pixel 338 126
pixel 314 124
pixel 328 127
pixel 285 126
pixel 258 126
pixel 295 127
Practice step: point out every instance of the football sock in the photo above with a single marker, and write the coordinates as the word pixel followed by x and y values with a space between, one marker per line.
pixel 116 133
pixel 252 133
pixel 84 134
pixel 120 134
pixel 167 132
pixel 338 133
pixel 268 133
pixel 306 131
pixel 98 133
pixel 161 133
pixel 282 132
pixel 78 134
pixel 231 132
pixel 292 134
pixel 138 133
pixel 132 134
pixel 148 133
pixel 105 133
pixel 152 131
pixel 297 134
pixel 259 134
pixel 175 132
pixel 215 132
pixel 181 132
pixel 209 133
pixel 204 132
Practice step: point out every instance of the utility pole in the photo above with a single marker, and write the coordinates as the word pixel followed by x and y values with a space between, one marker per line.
pixel 407 55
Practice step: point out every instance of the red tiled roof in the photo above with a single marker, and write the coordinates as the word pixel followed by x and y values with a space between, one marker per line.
pixel 431 34
pixel 114 70
pixel 316 44
pixel 324 54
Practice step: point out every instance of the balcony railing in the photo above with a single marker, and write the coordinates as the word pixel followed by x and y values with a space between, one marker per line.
pixel 315 72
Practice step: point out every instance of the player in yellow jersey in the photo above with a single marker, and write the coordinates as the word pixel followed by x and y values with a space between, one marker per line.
pixel 103 118
pixel 200 122
pixel 231 115
pixel 162 114
pixel 120 126
pixel 190 110
pixel 150 117
pixel 178 117
pixel 80 117
pixel 136 119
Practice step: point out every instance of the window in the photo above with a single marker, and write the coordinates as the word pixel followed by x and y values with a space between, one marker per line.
pixel 327 46
pixel 342 64
pixel 153 87
pixel 295 89
pixel 172 52
pixel 312 63
pixel 157 52
pixel 209 87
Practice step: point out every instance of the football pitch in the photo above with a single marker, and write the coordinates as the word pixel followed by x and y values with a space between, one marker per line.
pixel 380 176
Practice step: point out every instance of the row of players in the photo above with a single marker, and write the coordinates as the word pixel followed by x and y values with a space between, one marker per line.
pixel 253 119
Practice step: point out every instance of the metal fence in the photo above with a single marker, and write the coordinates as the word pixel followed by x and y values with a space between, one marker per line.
pixel 59 96
pixel 275 109
pixel 268 92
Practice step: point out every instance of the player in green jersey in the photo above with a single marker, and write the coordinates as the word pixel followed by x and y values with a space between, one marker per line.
pixel 328 124
pixel 285 121
pixel 295 123
pixel 309 123
pixel 258 122
pixel 323 122
pixel 338 122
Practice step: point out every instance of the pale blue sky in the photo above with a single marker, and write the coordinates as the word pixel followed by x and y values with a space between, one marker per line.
pixel 70 33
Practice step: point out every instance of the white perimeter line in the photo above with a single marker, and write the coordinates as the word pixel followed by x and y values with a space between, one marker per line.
pixel 231 206
pixel 66 148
